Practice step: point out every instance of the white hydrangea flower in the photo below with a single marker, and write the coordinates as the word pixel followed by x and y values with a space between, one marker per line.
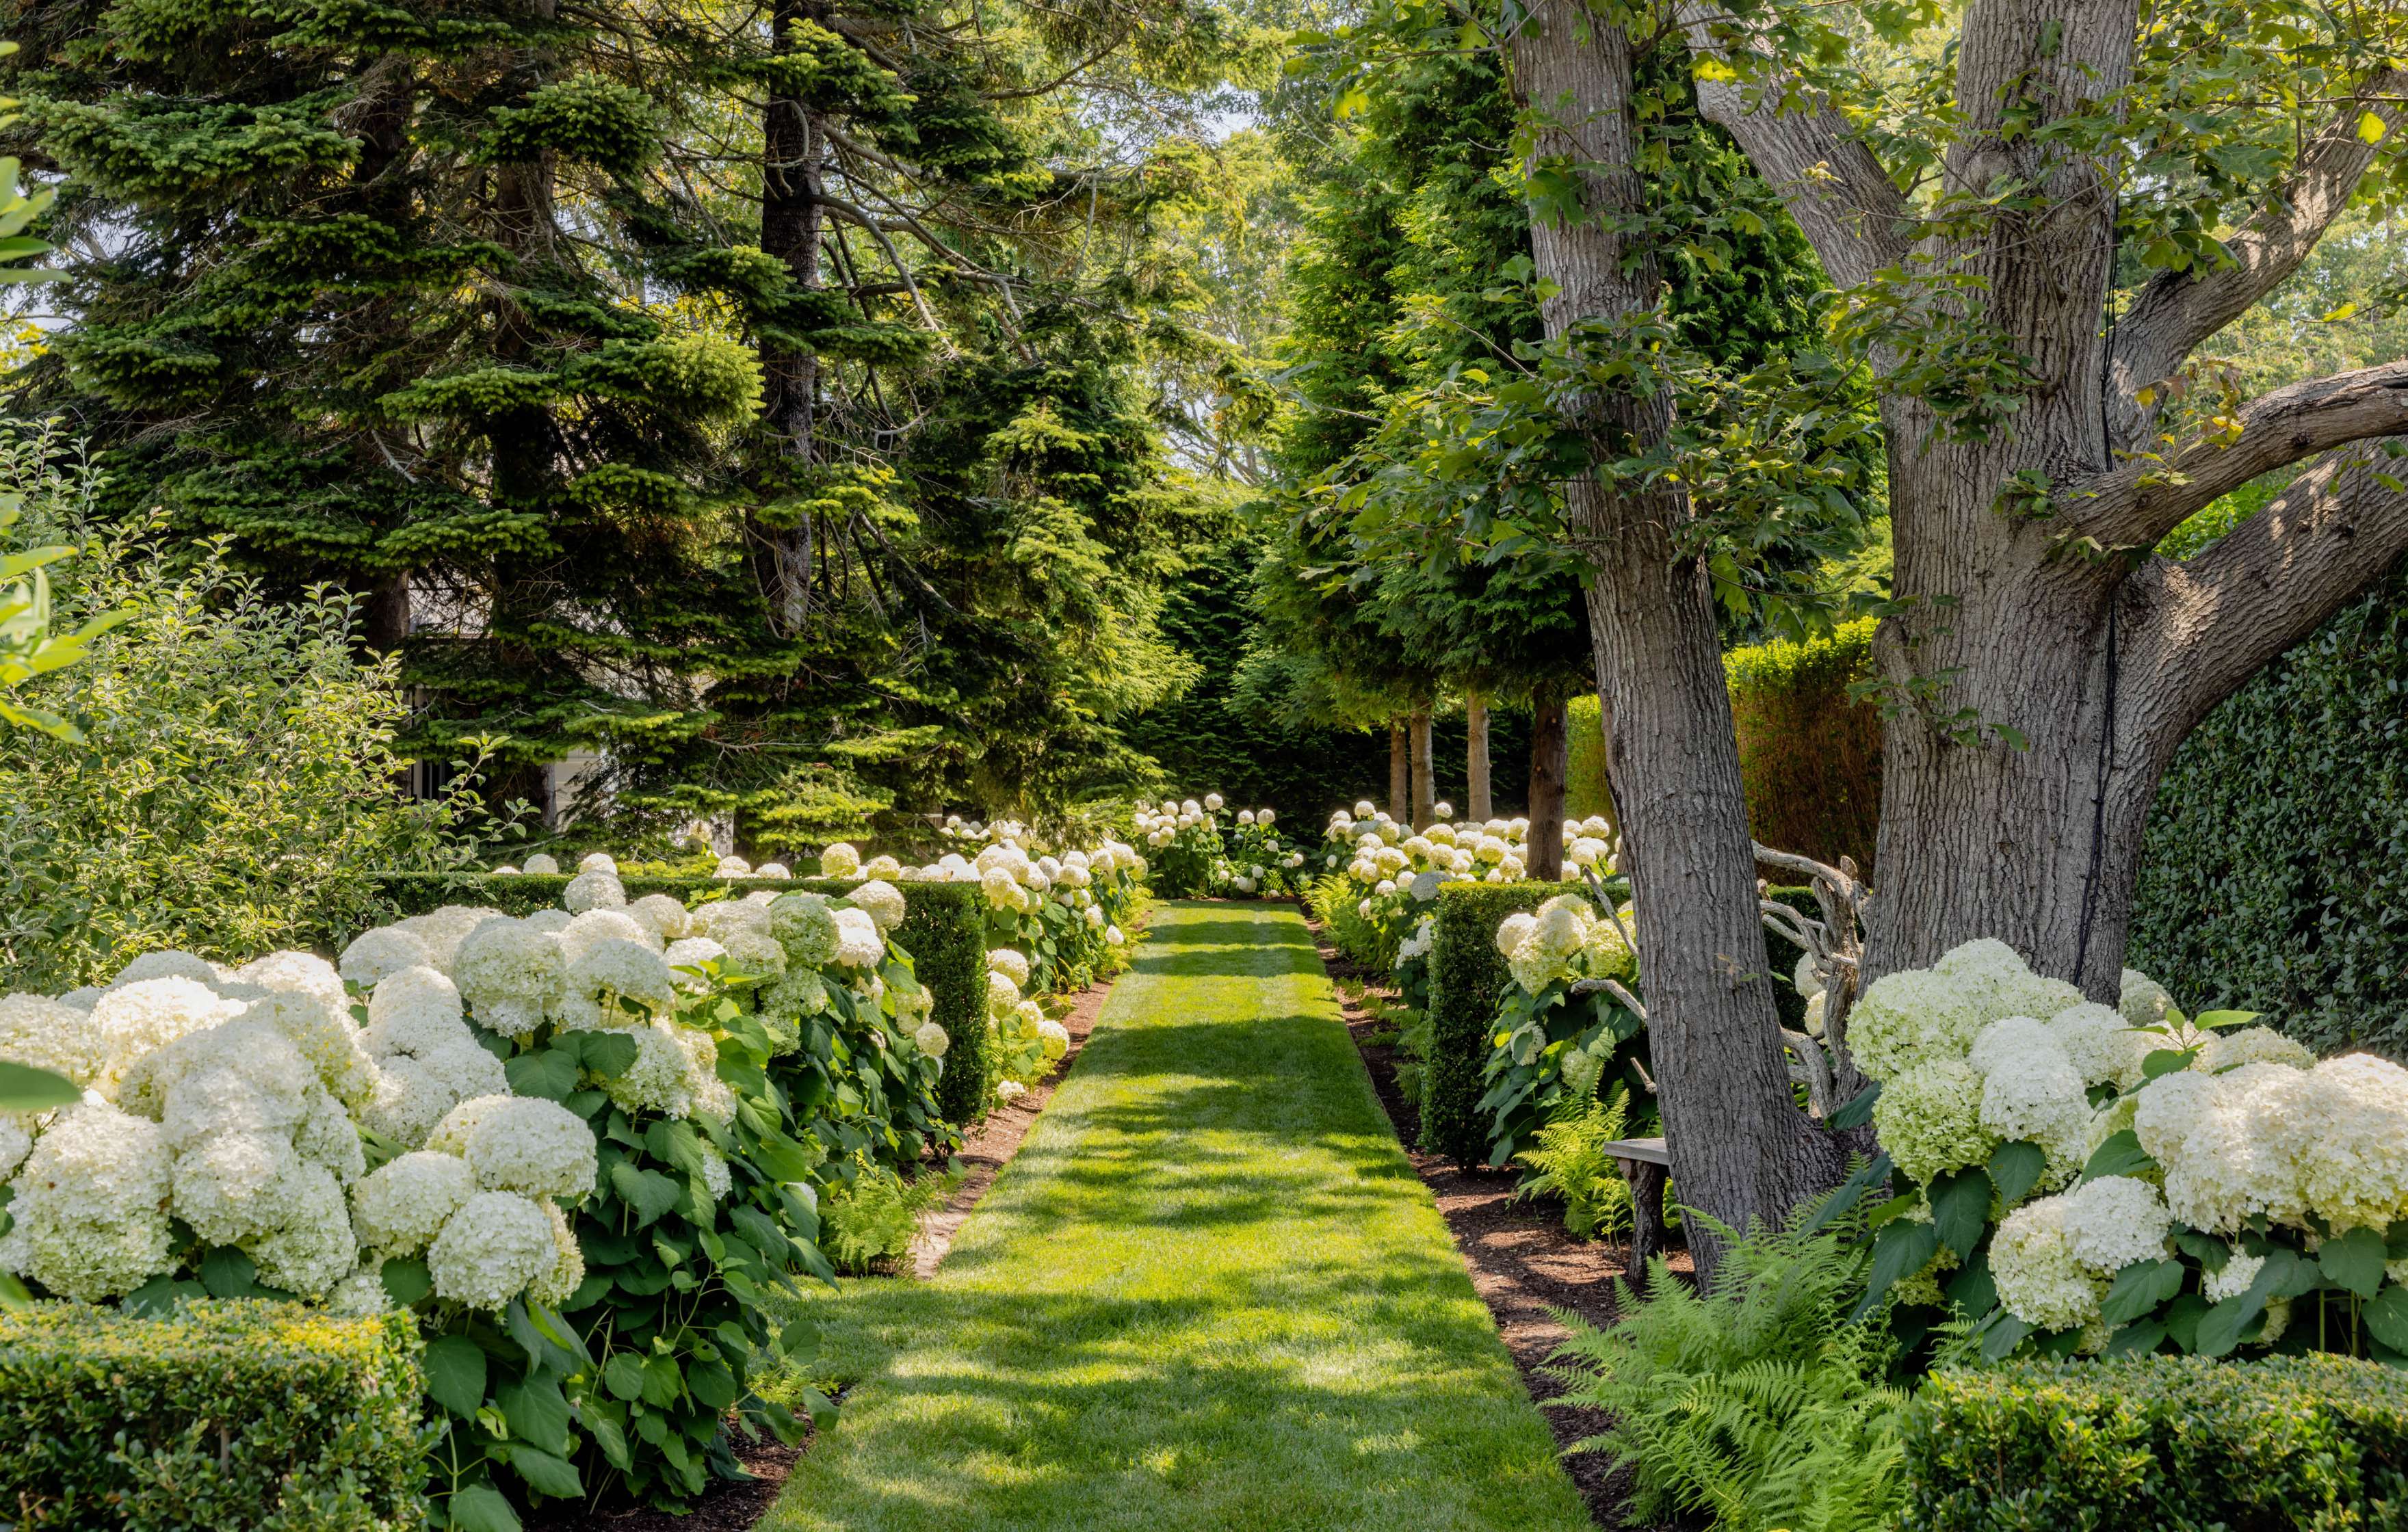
pixel 799 992
pixel 90 1218
pixel 1928 1116
pixel 511 974
pixel 932 1040
pixel 1806 978
pixel 691 953
pixel 2239 1272
pixel 412 1010
pixel 230 1186
pixel 2143 1000
pixel 169 963
pixel 2350 1138
pixel 491 1251
pixel 598 862
pixel 387 949
pixel 598 925
pixel 859 944
pixel 1514 930
pixel 327 1136
pixel 451 1134
pixel 360 1296
pixel 884 901
pixel 2114 1221
pixel 1054 1036
pixel 2007 1038
pixel 550 922
pixel 2250 1045
pixel 840 861
pixel 753 953
pixel 1012 964
pixel 45 1034
pixel 662 1078
pixel 299 973
pixel 2033 1093
pixel 596 890
pixel 443 930
pixel 2241 1154
pixel 311 1247
pixel 732 867
pixel 663 913
pixel 567 1270
pixel 805 925
pixel 611 975
pixel 147 1015
pixel 1904 1017
pixel 1112 936
pixel 543 862
pixel 533 1147
pixel 326 1039
pixel 1009 1091
pixel 2166 1109
pixel 773 869
pixel 1999 982
pixel 2102 1045
pixel 2039 1280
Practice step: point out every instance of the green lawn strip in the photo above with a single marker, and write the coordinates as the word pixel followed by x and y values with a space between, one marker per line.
pixel 1209 1293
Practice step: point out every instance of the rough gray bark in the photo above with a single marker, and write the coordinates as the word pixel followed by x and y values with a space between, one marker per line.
pixel 1480 803
pixel 2051 664
pixel 1401 773
pixel 1424 765
pixel 1740 1149
pixel 794 214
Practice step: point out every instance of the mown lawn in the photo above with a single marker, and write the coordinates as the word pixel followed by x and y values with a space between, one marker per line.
pixel 1210 1292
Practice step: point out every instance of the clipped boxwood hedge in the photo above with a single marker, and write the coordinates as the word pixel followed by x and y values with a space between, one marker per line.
pixel 2274 867
pixel 258 1414
pixel 944 929
pixel 2164 1441
pixel 1467 981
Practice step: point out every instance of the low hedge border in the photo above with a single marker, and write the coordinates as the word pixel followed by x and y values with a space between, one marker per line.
pixel 257 1415
pixel 2160 1441
pixel 1467 981
pixel 944 929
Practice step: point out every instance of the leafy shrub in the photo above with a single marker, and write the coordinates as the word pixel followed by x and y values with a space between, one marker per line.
pixel 1333 898
pixel 2159 1442
pixel 247 1414
pixel 875 1216
pixel 234 783
pixel 1809 752
pixel 1758 1403
pixel 1467 983
pixel 2270 874
pixel 1569 1161
pixel 1552 1050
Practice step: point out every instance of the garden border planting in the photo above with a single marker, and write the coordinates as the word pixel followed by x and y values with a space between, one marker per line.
pixel 1468 983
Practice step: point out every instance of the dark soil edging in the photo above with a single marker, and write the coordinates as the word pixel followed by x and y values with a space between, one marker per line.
pixel 1522 1261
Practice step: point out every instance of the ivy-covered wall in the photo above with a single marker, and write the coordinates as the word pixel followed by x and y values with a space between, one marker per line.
pixel 2275 875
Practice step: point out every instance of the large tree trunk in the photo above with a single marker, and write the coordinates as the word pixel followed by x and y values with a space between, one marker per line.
pixel 1551 752
pixel 1479 803
pixel 1425 765
pixel 1740 1149
pixel 1401 773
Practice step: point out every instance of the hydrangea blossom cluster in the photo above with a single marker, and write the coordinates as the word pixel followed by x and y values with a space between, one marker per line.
pixel 1562 942
pixel 2241 1133
pixel 481 1203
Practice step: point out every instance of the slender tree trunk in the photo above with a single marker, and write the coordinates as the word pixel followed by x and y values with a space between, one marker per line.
pixel 1401 772
pixel 1424 765
pixel 1479 803
pixel 1550 767
pixel 792 219
pixel 385 612
pixel 1740 1149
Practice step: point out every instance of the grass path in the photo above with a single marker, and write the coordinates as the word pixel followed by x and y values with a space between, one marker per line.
pixel 1210 1292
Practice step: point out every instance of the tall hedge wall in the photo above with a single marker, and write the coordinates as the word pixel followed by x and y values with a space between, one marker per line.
pixel 944 929
pixel 2274 872
pixel 230 1414
pixel 1809 753
pixel 1467 981
pixel 2161 1442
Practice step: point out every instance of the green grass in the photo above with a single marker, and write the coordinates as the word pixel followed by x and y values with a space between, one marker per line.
pixel 1210 1292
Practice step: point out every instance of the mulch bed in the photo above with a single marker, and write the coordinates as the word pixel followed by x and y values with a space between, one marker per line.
pixel 728 1505
pixel 1522 1261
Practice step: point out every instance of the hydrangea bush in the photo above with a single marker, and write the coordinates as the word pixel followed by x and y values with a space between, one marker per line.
pixel 2081 1178
pixel 1555 1046
pixel 1196 855
pixel 581 1147
pixel 1381 877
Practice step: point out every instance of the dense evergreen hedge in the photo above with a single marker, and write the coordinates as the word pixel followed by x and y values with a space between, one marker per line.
pixel 2275 875
pixel 254 1413
pixel 2306 1442
pixel 1809 753
pixel 944 929
pixel 1468 983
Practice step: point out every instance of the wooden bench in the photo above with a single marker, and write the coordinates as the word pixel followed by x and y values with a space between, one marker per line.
pixel 1644 1163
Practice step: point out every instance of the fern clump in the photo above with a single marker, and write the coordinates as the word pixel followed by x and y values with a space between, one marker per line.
pixel 876 1218
pixel 1569 1161
pixel 1756 1402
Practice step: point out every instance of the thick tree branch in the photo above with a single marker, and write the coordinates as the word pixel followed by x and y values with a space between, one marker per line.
pixel 2209 623
pixel 2178 309
pixel 1824 174
pixel 2148 497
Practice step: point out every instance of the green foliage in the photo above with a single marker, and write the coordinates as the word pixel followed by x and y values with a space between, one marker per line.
pixel 234 784
pixel 1568 1161
pixel 2285 1443
pixel 874 1216
pixel 1467 985
pixel 255 1414
pixel 1809 747
pixel 1552 1052
pixel 2271 877
pixel 1756 1403
pixel 1335 900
